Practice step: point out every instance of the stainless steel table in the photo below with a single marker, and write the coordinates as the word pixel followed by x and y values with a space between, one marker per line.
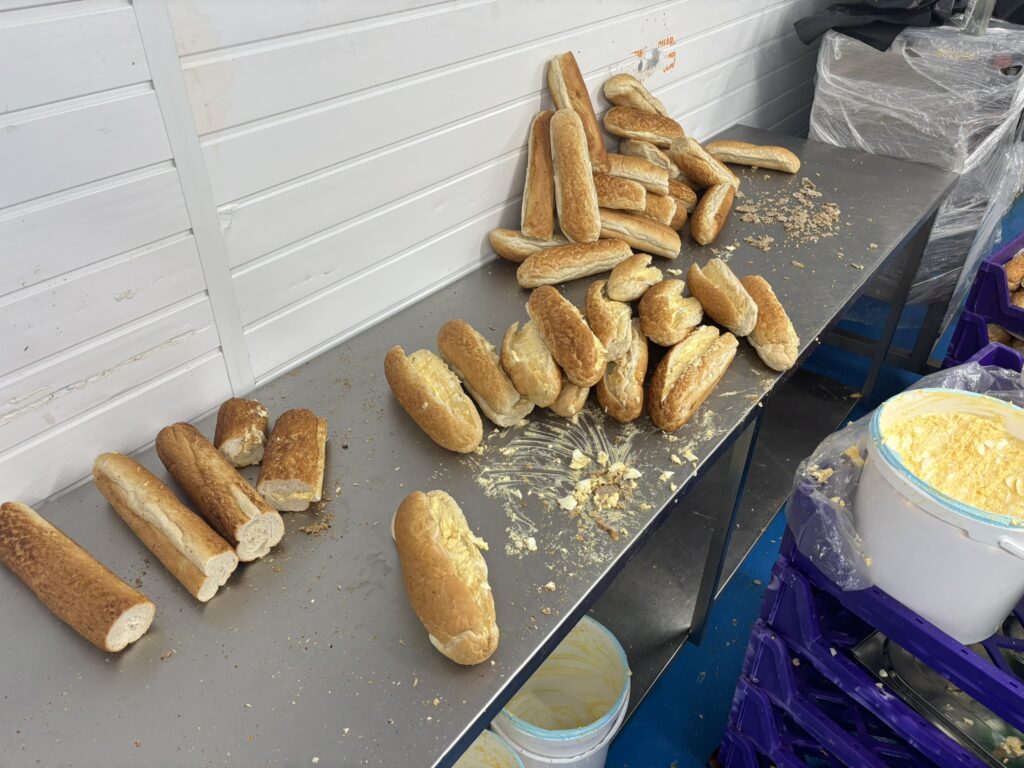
pixel 312 655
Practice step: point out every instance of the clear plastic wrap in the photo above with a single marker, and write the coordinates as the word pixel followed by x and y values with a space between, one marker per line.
pixel 820 508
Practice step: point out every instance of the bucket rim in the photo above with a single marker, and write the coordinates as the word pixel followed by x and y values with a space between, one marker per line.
pixel 503 742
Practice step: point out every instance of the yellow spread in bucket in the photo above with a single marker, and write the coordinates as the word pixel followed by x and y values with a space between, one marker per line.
pixel 970 458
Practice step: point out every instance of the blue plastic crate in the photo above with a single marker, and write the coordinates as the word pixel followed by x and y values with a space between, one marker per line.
pixel 990 295
pixel 999 355
pixel 971 335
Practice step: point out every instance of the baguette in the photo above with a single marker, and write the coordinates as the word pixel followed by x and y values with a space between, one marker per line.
pixel 627 91
pixel 292 474
pixel 773 338
pixel 631 279
pixel 573 345
pixel 609 320
pixel 529 364
pixel 698 166
pixel 621 391
pixel 570 401
pixel 666 316
pixel 517 247
pixel 76 587
pixel 618 193
pixel 446 576
pixel 575 194
pixel 241 433
pixel 661 208
pixel 189 548
pixel 652 177
pixel 569 91
pixel 641 233
pixel 475 362
pixel 723 297
pixel 1015 271
pixel 685 197
pixel 646 126
pixel 644 150
pixel 569 262
pixel 745 153
pixel 220 495
pixel 686 376
pixel 711 213
pixel 538 213
pixel 430 393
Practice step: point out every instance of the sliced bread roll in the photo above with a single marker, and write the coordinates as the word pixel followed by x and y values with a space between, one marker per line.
pixel 711 213
pixel 723 296
pixel 292 474
pixel 517 247
pixel 621 391
pixel 569 91
pixel 626 91
pixel 644 150
pixel 666 316
pixel 687 375
pixel 684 196
pixel 641 233
pixel 609 320
pixel 661 208
pixel 573 344
pixel 652 177
pixel 745 153
pixel 773 338
pixel 631 279
pixel 631 123
pixel 570 262
pixel 570 401
pixel 538 212
pixel 619 194
pixel 575 195
pixel 241 433
pixel 529 364
pixel 699 166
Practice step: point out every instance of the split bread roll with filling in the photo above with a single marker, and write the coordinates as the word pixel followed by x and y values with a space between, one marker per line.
pixel 570 262
pixel 189 548
pixel 641 233
pixel 666 316
pixel 619 194
pixel 758 156
pixel 644 150
pixel 569 91
pixel 631 123
pixel 627 91
pixel 684 196
pixel 631 279
pixel 1015 271
pixel 538 212
pixel 651 177
pixel 570 401
pixel 529 364
pixel 661 208
pixel 773 338
pixel 430 393
pixel 292 474
pixel 621 391
pixel 608 319
pixel 75 586
pixel 475 361
pixel 723 296
pixel 241 433
pixel 711 212
pixel 573 344
pixel 517 247
pixel 687 375
pixel 575 195
pixel 699 166
pixel 446 576
pixel 220 495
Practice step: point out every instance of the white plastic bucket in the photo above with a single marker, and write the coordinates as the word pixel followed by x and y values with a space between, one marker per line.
pixel 489 750
pixel 574 702
pixel 959 567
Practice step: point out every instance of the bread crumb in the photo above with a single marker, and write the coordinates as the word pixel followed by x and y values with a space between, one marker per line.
pixel 579 459
pixel 690 455
pixel 674 271
pixel 316 760
pixel 531 543
pixel 168 655
pixel 853 454
pixel 856 266
pixel 550 586
pixel 546 611
pixel 568 503
pixel 675 459
pixel 798 264
pixel 872 246
pixel 602 458
pixel 665 476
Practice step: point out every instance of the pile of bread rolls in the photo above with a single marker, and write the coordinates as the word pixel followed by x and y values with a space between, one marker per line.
pixel 232 521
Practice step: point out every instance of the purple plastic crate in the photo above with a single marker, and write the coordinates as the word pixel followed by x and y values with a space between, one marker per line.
pixel 970 335
pixel 998 354
pixel 738 751
pixel 990 296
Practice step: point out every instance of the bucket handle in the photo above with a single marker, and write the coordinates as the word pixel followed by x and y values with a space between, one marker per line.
pixel 1012 547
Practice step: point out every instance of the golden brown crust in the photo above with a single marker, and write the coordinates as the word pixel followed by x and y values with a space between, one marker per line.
pixel 1017 299
pixel 652 177
pixel 723 297
pixel 661 208
pixel 686 376
pixel 517 247
pixel 619 194
pixel 773 337
pixel 569 91
pixel 575 195
pixel 609 320
pixel 683 194
pixel 666 316
pixel 626 91
pixel 292 474
pixel 570 262
pixel 698 166
pixel 529 364
pixel 69 581
pixel 652 154
pixel 711 213
pixel 631 279
pixel 998 334
pixel 241 432
pixel 446 576
pixel 573 345
pixel 538 214
pixel 621 391
pixel 646 126
pixel 570 401
pixel 745 153
pixel 1015 271
pixel 430 393
pixel 641 233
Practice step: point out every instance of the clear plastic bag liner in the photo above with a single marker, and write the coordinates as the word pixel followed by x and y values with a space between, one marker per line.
pixel 820 509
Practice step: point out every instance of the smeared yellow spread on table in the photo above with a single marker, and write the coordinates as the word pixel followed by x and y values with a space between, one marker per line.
pixel 970 458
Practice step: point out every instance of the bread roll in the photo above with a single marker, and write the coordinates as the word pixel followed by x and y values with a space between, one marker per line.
pixel 529 364
pixel 69 581
pixel 430 393
pixel 538 214
pixel 646 126
pixel 190 549
pixel 686 376
pixel 711 213
pixel 698 166
pixel 241 432
pixel 661 208
pixel 631 279
pixel 652 177
pixel 569 91
pixel 570 262
pixel 773 338
pixel 475 361
pixel 744 153
pixel 609 320
pixel 573 345
pixel 641 233
pixel 1015 271
pixel 627 91
pixel 666 316
pixel 723 296
pixel 1017 299
pixel 220 495
pixel 996 333
pixel 644 150
pixel 684 196
pixel 570 401
pixel 621 391
pixel 575 194
pixel 446 576
pixel 619 194
pixel 517 247
pixel 292 474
